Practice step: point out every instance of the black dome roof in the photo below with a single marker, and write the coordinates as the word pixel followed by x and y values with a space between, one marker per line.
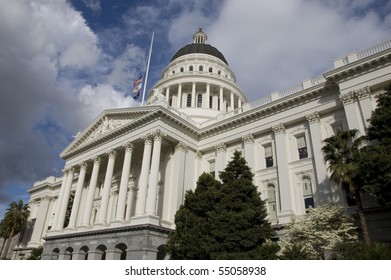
pixel 199 48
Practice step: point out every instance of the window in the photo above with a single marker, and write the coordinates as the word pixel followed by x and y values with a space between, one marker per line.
pixel 337 127
pixel 188 100
pixel 210 101
pixel 173 71
pixel 210 69
pixel 199 100
pixel 268 155
pixel 219 72
pixel 170 102
pixel 181 69
pixel 218 104
pixel 307 193
pixel 191 68
pixel 201 68
pixel 272 202
pixel 302 147
pixel 212 168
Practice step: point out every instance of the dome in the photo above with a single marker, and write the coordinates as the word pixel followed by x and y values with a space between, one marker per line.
pixel 199 46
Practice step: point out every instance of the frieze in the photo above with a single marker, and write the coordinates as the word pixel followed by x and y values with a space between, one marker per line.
pixel 106 126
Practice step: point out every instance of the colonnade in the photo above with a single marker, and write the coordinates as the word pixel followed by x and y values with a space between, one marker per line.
pixel 146 191
pixel 213 97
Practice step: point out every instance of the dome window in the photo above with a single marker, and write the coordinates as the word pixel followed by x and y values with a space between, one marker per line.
pixel 201 68
pixel 210 69
pixel 181 69
pixel 199 100
pixel 191 68
pixel 188 101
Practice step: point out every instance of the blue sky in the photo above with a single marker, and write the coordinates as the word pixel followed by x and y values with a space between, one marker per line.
pixel 63 62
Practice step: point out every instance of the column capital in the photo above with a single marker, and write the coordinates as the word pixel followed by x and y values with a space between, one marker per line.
pixel 198 155
pixel 147 138
pixel 347 98
pixel 221 148
pixel 278 129
pixel 128 146
pixel 181 147
pixel 83 165
pixel 69 170
pixel 248 139
pixel 313 117
pixel 111 153
pixel 159 135
pixel 362 93
pixel 97 160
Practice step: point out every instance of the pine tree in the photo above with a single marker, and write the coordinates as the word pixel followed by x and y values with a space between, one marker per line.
pixel 223 220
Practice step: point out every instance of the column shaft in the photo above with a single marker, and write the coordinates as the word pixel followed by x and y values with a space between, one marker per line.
pixel 143 182
pixel 91 192
pixel 193 95
pixel 123 188
pixel 179 100
pixel 76 201
pixel 106 188
pixel 58 202
pixel 65 200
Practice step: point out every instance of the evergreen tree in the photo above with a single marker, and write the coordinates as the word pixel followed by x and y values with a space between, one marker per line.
pixel 223 220
pixel 375 160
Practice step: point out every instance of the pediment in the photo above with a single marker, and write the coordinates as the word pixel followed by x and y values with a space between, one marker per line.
pixel 105 124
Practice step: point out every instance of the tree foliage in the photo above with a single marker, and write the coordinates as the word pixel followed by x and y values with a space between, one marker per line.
pixel 375 162
pixel 224 220
pixel 342 153
pixel 317 234
pixel 13 222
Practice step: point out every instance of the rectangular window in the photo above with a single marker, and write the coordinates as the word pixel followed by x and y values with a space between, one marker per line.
pixel 302 147
pixel 212 168
pixel 268 155
pixel 210 102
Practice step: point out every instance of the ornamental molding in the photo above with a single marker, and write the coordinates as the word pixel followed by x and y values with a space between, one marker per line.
pixel 181 147
pixel 298 129
pixel 347 98
pixel 128 147
pixel 313 118
pixel 248 139
pixel 268 138
pixel 97 160
pixel 220 148
pixel 279 129
pixel 198 155
pixel 362 93
pixel 159 135
pixel 111 153
pixel 147 139
pixel 107 125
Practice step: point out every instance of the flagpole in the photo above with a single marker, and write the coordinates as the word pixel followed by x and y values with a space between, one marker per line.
pixel 146 73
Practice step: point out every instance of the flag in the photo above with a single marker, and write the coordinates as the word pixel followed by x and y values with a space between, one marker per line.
pixel 137 85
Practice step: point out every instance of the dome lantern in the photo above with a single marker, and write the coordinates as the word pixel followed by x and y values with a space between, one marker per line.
pixel 200 37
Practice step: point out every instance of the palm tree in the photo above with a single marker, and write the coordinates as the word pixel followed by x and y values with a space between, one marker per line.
pixel 342 152
pixel 14 221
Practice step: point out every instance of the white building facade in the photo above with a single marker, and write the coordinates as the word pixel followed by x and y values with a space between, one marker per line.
pixel 126 174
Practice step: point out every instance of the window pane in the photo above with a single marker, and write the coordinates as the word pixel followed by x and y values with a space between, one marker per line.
pixel 269 161
pixel 301 142
pixel 268 151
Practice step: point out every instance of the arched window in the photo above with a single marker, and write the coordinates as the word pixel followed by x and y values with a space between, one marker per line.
pixel 181 69
pixel 199 100
pixel 188 101
pixel 307 193
pixel 170 102
pixel 272 201
pixel 201 68
pixel 191 68
pixel 210 102
pixel 210 69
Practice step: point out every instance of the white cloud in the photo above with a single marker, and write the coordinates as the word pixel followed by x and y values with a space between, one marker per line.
pixel 94 5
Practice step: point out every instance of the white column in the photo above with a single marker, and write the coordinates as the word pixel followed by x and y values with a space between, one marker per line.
pixel 79 189
pixel 222 109
pixel 322 182
pixel 283 173
pixel 366 107
pixel 106 188
pixel 221 151
pixel 60 196
pixel 179 98
pixel 91 192
pixel 39 222
pixel 215 100
pixel 351 113
pixel 123 188
pixel 154 176
pixel 206 102
pixel 232 101
pixel 193 95
pixel 249 151
pixel 65 200
pixel 130 198
pixel 239 102
pixel 143 182
pixel 176 193
pixel 168 94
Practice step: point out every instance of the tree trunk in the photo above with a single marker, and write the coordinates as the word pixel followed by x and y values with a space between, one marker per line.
pixel 363 221
pixel 2 247
pixel 7 247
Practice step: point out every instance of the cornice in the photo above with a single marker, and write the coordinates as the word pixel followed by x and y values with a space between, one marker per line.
pixel 109 231
pixel 359 67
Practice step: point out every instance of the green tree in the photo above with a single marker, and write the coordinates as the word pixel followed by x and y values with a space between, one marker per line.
pixel 14 221
pixel 375 163
pixel 223 220
pixel 36 253
pixel 317 234
pixel 342 153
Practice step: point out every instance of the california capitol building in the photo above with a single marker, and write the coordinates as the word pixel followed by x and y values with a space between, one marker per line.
pixel 126 174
